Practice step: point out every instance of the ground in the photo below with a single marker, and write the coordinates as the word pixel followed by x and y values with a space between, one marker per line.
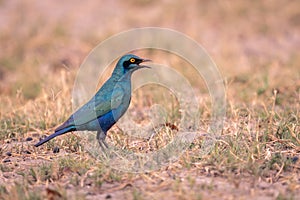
pixel 254 44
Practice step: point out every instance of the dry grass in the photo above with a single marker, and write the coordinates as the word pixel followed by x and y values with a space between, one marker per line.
pixel 254 44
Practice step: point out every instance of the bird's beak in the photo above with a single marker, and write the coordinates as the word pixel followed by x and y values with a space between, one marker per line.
pixel 144 66
pixel 146 60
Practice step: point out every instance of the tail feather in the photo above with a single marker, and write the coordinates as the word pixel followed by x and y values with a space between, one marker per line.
pixel 57 133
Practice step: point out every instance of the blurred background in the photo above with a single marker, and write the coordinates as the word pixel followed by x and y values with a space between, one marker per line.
pixel 256 46
pixel 250 41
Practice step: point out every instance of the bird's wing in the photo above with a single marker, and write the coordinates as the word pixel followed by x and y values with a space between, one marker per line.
pixel 96 107
pixel 108 103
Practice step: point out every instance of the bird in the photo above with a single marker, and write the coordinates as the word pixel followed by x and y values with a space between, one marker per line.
pixel 108 104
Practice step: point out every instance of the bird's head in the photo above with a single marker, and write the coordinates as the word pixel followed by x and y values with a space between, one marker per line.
pixel 130 63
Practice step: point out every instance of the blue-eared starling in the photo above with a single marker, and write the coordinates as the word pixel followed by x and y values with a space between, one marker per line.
pixel 107 106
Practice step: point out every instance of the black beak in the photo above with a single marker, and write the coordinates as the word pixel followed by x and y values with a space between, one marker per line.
pixel 145 60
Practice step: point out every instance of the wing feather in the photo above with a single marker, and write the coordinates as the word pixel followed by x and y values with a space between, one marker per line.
pixel 96 107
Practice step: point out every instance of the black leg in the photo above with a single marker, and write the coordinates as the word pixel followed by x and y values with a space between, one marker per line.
pixel 101 140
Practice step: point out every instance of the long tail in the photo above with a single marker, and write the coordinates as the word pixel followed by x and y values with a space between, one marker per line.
pixel 57 133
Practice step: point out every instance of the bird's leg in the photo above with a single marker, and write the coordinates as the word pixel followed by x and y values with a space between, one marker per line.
pixel 101 140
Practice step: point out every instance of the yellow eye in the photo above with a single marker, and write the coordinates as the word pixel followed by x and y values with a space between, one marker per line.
pixel 132 60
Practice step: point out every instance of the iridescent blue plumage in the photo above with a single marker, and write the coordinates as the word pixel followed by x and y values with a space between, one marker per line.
pixel 107 106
